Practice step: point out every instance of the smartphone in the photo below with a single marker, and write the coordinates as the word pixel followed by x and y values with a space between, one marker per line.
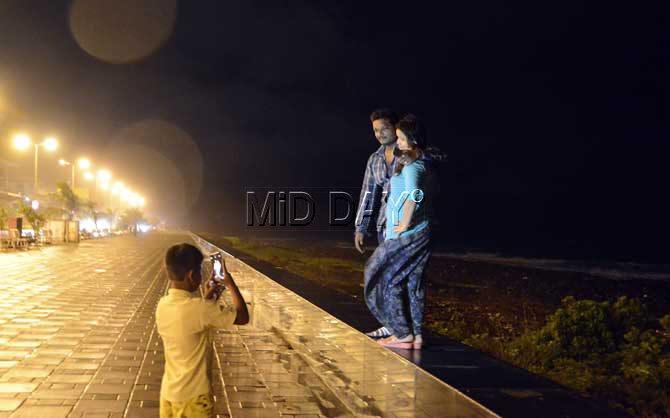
pixel 217 266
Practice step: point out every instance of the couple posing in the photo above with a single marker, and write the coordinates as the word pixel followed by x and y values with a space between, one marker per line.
pixel 398 187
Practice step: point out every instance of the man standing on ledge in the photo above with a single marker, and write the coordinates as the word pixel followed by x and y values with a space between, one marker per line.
pixel 378 171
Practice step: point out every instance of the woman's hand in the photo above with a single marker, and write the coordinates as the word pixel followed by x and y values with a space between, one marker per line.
pixel 400 228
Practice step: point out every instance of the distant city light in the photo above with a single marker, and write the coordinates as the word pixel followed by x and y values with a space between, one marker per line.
pixel 104 175
pixel 118 188
pixel 84 163
pixel 88 176
pixel 35 204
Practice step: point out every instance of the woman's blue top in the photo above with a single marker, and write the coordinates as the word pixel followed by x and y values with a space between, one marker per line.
pixel 409 183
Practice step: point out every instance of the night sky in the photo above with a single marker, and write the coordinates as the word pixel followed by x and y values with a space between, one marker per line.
pixel 553 115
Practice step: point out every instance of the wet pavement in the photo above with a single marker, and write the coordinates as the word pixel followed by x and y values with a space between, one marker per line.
pixel 78 338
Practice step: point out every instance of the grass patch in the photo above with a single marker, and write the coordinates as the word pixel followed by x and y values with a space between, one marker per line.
pixel 342 274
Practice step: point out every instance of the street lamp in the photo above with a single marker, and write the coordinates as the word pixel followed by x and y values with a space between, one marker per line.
pixel 64 163
pixel 104 176
pixel 22 142
pixel 51 144
pixel 84 163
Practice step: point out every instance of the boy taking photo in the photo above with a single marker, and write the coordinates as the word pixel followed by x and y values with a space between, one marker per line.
pixel 183 320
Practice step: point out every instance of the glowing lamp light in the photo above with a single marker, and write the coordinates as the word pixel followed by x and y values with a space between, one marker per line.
pixel 50 144
pixel 84 163
pixel 63 162
pixel 88 176
pixel 35 204
pixel 104 186
pixel 104 176
pixel 21 142
pixel 118 188
pixel 126 195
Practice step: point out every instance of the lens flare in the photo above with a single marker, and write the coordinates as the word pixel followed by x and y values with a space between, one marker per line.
pixel 174 182
pixel 122 31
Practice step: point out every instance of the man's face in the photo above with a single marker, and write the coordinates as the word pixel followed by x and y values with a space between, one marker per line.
pixel 384 131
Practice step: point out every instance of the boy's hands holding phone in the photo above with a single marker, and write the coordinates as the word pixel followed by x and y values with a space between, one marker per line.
pixel 218 279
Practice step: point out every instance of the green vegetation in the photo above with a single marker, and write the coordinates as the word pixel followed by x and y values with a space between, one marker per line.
pixel 4 217
pixel 36 220
pixel 70 201
pixel 615 351
pixel 342 274
pixel 131 217
pixel 91 209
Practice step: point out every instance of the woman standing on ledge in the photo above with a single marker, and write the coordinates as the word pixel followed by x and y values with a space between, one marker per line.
pixel 394 286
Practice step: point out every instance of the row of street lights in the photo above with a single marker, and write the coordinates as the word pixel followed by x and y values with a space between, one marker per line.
pixel 22 142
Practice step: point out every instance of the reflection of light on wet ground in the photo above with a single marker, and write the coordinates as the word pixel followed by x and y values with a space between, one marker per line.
pixel 316 364
pixel 122 31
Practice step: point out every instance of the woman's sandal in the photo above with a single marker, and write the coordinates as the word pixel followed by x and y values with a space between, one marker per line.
pixel 394 342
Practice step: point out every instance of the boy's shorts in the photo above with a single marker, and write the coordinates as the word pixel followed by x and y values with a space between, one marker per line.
pixel 201 406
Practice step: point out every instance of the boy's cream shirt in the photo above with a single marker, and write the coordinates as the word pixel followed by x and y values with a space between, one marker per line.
pixel 183 322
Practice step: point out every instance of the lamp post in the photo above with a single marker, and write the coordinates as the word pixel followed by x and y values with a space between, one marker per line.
pixel 64 163
pixel 83 164
pixel 23 142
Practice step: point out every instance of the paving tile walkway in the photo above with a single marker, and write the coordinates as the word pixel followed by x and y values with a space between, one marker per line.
pixel 78 339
